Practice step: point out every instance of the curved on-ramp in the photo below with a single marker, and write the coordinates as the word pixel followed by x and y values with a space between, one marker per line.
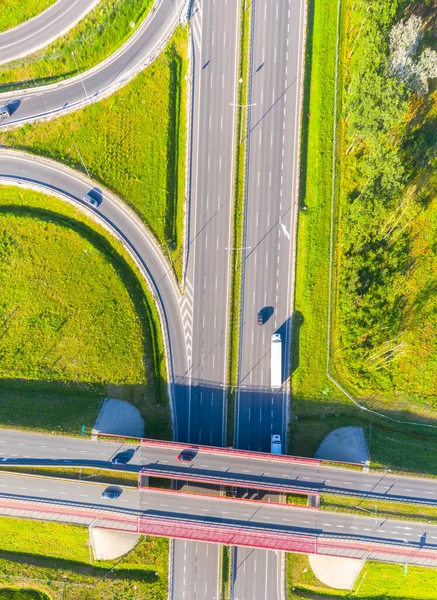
pixel 70 94
pixel 18 168
pixel 43 29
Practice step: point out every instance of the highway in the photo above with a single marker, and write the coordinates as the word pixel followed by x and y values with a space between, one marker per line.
pixel 251 472
pixel 141 48
pixel 274 110
pixel 112 213
pixel 255 517
pixel 214 27
pixel 43 29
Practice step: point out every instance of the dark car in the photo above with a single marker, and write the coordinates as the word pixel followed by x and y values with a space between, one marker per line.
pixel 119 460
pixel 260 318
pixel 111 493
pixel 186 456
pixel 90 200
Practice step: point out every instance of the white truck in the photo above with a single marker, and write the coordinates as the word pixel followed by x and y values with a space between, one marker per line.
pixel 275 444
pixel 276 362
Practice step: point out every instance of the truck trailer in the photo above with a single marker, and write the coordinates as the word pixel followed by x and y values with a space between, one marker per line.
pixel 276 362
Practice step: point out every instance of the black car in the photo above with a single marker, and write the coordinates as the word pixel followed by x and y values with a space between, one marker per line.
pixel 111 493
pixel 260 318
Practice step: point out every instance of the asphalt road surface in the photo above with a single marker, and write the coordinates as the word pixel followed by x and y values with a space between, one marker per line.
pixel 31 448
pixel 237 513
pixel 190 580
pixel 42 29
pixel 205 306
pixel 274 107
pixel 142 47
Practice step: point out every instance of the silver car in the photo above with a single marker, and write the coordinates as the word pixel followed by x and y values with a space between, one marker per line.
pixel 4 113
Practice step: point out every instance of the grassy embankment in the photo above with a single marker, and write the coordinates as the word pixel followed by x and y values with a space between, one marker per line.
pixel 15 12
pixel 238 214
pixel 318 405
pixel 376 581
pixel 25 593
pixel 58 557
pixel 98 35
pixel 138 151
pixel 78 322
pixel 384 330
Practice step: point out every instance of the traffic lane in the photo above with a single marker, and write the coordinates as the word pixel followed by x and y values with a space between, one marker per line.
pixel 260 415
pixel 312 478
pixel 17 445
pixel 67 492
pixel 239 513
pixel 256 574
pixel 42 29
pixel 195 570
pixel 210 232
pixel 206 426
pixel 39 102
pixel 54 446
pixel 280 518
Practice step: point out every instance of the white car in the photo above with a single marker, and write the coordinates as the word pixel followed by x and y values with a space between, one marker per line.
pixel 90 200
pixel 4 113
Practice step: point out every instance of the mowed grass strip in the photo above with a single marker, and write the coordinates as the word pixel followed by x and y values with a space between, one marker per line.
pixel 88 475
pixel 382 509
pixel 98 35
pixel 132 142
pixel 77 321
pixel 241 141
pixel 15 12
pixel 376 581
pixel 314 397
pixel 60 553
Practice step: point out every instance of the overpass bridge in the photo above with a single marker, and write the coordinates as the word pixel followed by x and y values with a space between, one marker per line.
pixel 216 466
pixel 219 520
pixel 279 473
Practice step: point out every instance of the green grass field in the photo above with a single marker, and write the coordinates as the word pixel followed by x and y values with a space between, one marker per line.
pixel 318 406
pixel 139 152
pixel 14 12
pixel 385 334
pixel 60 555
pixel 8 593
pixel 384 509
pixel 94 38
pixel 77 321
pixel 376 581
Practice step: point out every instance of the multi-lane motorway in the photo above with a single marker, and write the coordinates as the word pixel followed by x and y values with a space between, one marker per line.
pixel 42 29
pixel 208 512
pixel 215 39
pixel 215 467
pixel 274 109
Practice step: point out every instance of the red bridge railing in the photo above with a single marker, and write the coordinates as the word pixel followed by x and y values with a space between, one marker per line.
pixel 233 452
